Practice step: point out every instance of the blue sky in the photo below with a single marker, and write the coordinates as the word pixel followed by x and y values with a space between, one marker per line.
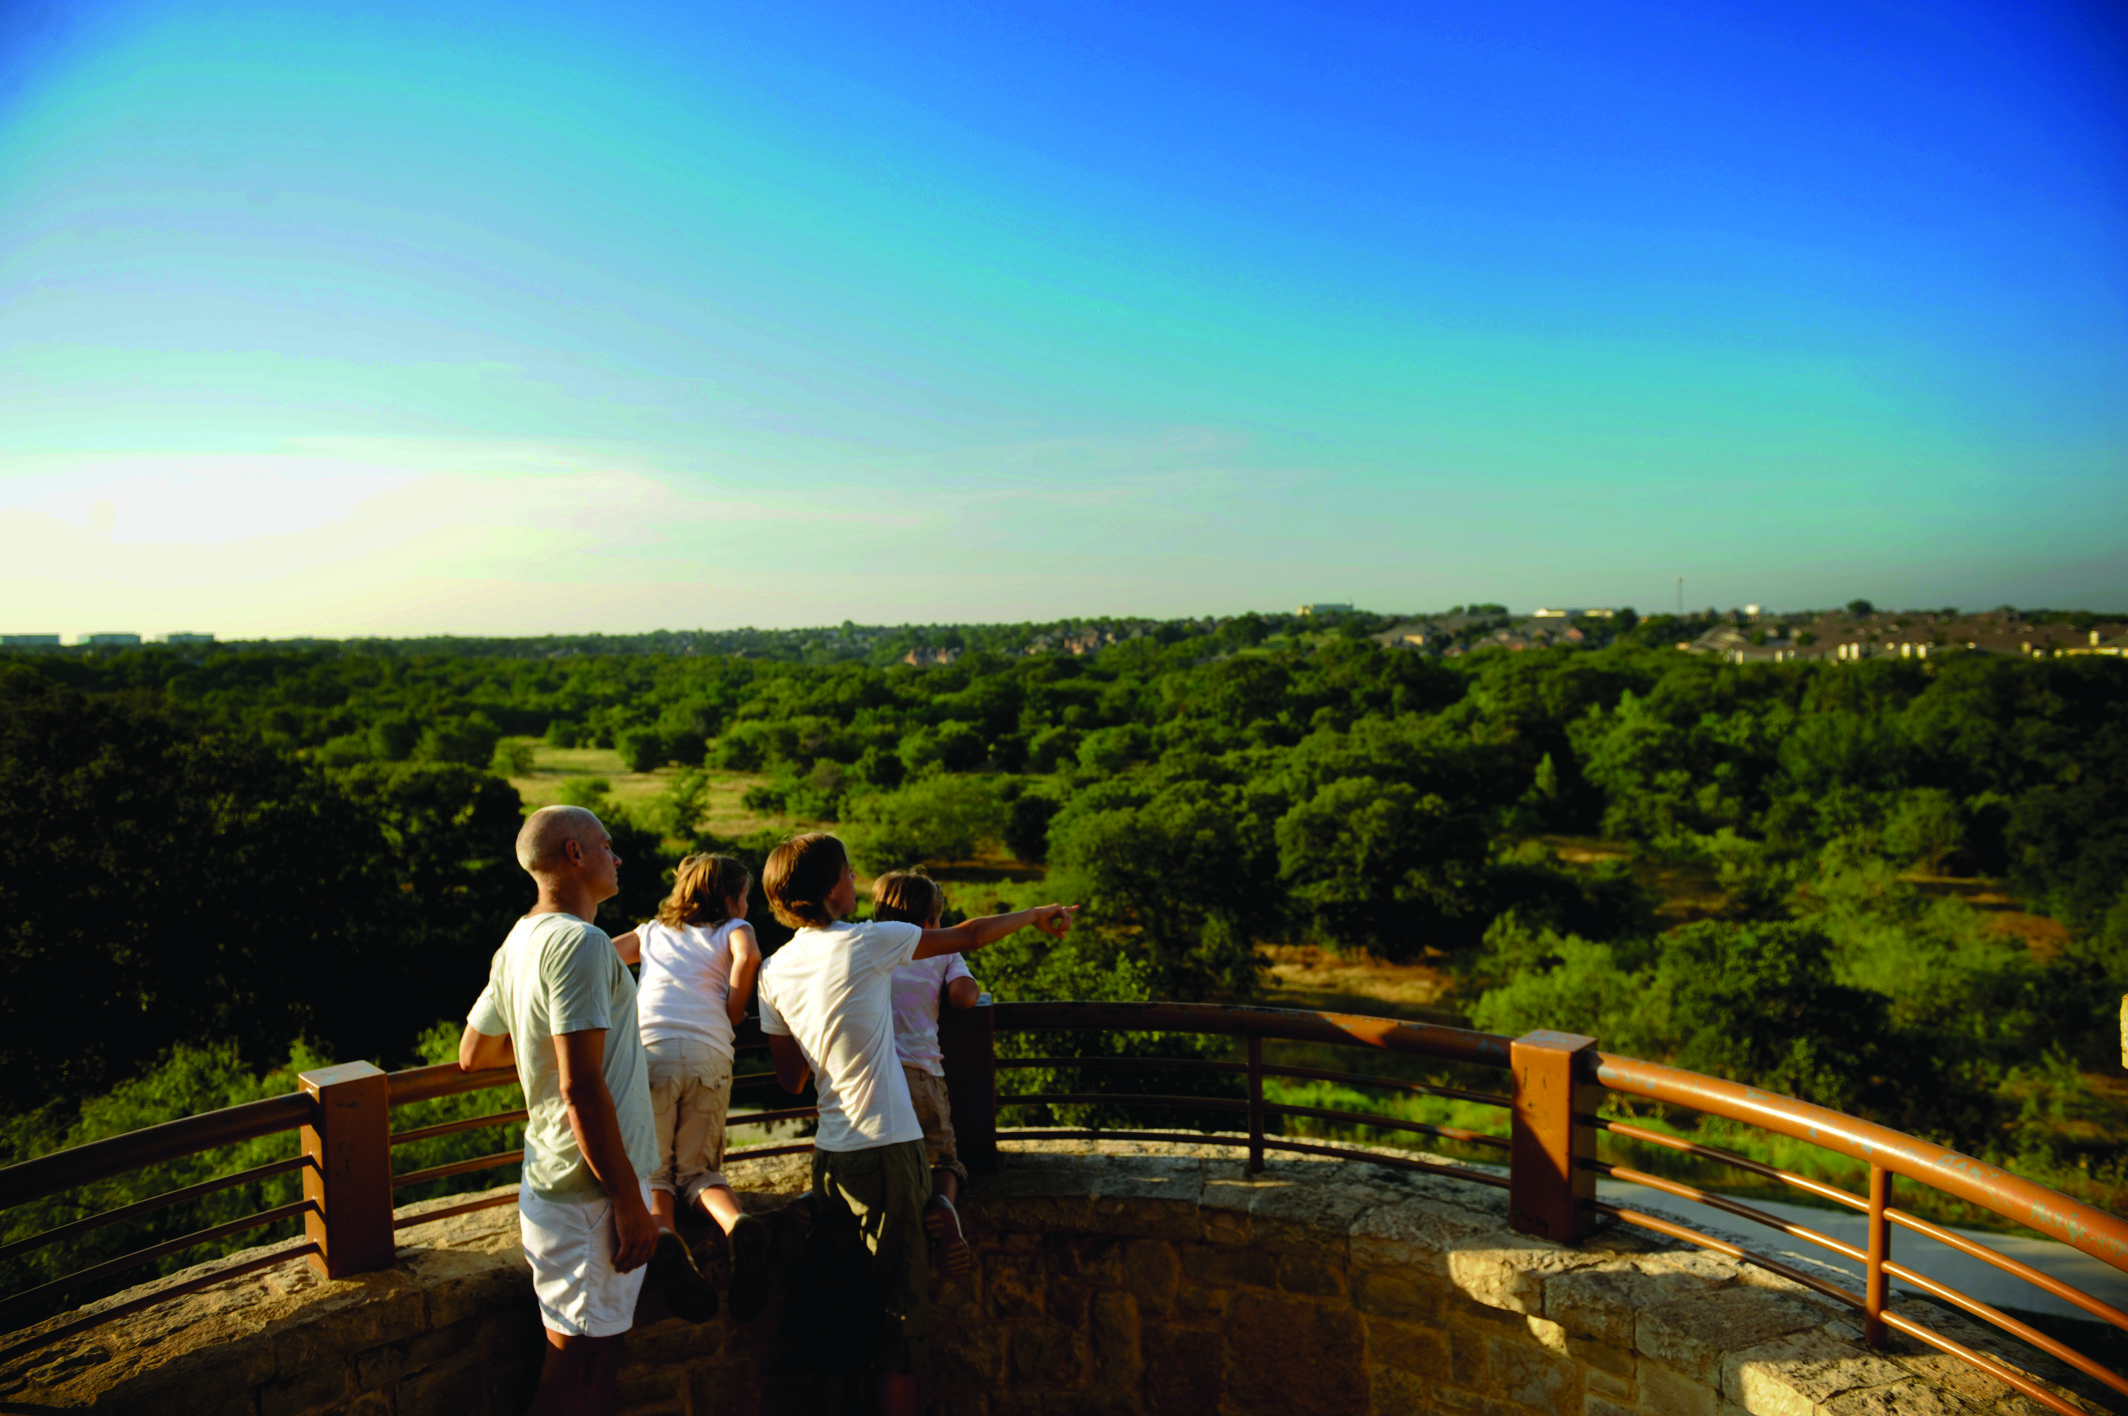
pixel 480 318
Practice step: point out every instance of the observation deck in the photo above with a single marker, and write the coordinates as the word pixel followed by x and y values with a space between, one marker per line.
pixel 1236 1270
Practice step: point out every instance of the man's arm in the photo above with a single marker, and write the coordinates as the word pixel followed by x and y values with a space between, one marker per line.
pixel 970 935
pixel 581 1057
pixel 478 1051
pixel 962 992
pixel 629 946
pixel 791 1067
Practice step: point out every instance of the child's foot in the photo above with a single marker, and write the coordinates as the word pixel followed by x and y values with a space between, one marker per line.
pixel 688 1292
pixel 749 1268
pixel 943 1223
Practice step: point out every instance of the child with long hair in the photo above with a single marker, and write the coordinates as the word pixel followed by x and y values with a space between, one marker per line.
pixel 699 958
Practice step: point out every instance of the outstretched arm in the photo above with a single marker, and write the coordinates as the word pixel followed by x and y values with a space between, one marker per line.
pixel 629 946
pixel 970 935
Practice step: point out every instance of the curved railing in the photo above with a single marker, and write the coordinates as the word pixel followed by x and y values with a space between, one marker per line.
pixel 1555 1084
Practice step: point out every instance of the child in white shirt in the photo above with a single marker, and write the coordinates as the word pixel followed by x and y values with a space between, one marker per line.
pixel 919 986
pixel 827 1009
pixel 698 958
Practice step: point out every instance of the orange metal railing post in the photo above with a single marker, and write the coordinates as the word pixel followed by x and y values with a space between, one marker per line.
pixel 349 1179
pixel 968 1038
pixel 1256 1104
pixel 1548 1192
pixel 1880 1252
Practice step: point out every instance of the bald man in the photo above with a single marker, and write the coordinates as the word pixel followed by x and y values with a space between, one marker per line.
pixel 561 1008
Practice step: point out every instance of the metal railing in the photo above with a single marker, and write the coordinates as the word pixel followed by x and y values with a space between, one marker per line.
pixel 1555 1084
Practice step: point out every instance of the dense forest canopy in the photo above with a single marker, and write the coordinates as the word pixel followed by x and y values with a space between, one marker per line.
pixel 237 847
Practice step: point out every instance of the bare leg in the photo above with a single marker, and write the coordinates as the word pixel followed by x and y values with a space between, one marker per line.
pixel 721 1205
pixel 945 1182
pixel 664 1210
pixel 897 1394
pixel 577 1376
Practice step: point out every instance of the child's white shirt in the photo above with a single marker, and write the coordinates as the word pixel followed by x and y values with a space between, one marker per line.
pixel 685 990
pixel 831 991
pixel 917 985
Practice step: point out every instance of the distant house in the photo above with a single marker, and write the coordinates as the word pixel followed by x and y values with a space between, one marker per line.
pixel 108 640
pixel 1326 607
pixel 179 637
pixel 29 641
pixel 2117 646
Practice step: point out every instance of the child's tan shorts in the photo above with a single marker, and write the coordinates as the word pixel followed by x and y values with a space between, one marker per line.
pixel 690 1090
pixel 935 1114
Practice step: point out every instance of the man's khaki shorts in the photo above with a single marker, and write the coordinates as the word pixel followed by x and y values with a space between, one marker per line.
pixel 690 1090
pixel 935 1112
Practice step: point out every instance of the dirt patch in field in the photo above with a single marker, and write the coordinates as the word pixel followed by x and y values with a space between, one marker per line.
pixel 1305 976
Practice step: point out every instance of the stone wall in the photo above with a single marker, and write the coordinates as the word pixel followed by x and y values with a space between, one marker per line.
pixel 1117 1278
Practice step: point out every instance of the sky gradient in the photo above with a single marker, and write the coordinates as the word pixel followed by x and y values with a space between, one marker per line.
pixel 398 319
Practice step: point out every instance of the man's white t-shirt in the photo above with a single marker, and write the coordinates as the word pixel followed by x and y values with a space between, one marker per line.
pixel 917 985
pixel 685 990
pixel 558 974
pixel 830 990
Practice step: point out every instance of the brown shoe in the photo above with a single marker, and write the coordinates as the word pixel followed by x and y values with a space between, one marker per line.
pixel 688 1292
pixel 948 1245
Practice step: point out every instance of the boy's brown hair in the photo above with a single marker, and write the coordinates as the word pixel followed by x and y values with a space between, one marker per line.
pixel 799 876
pixel 702 888
pixel 909 896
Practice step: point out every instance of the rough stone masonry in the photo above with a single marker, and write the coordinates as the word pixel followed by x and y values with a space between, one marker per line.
pixel 1116 1277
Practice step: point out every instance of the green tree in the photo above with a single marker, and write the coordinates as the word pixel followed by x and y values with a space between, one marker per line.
pixel 932 820
pixel 1384 868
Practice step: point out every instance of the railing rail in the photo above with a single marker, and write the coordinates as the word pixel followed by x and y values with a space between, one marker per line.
pixel 1556 1083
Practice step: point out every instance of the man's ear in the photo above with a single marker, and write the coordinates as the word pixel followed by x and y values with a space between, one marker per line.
pixel 574 851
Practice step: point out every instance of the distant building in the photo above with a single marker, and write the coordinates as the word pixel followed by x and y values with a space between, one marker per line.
pixel 108 640
pixel 1326 607
pixel 1577 614
pixel 29 641
pixel 177 637
pixel 1556 614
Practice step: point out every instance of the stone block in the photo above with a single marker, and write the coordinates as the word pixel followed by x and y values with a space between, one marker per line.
pixel 1047 1358
pixel 1594 1405
pixel 1095 1259
pixel 1312 1217
pixel 379 1367
pixel 1408 1347
pixel 1530 1376
pixel 320 1385
pixel 1469 1355
pixel 1605 1302
pixel 1695 1334
pixel 1319 1274
pixel 1184 1370
pixel 443 1391
pixel 1914 1397
pixel 1800 1372
pixel 1149 1198
pixel 1199 1303
pixel 1013 1284
pixel 970 1355
pixel 672 1342
pixel 457 1286
pixel 1392 1391
pixel 1066 1302
pixel 1512 1276
pixel 1150 1273
pixel 442 1346
pixel 1664 1391
pixel 1285 1357
pixel 350 1316
pixel 1415 1233
pixel 1391 1295
pixel 1113 1336
pixel 1224 1267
